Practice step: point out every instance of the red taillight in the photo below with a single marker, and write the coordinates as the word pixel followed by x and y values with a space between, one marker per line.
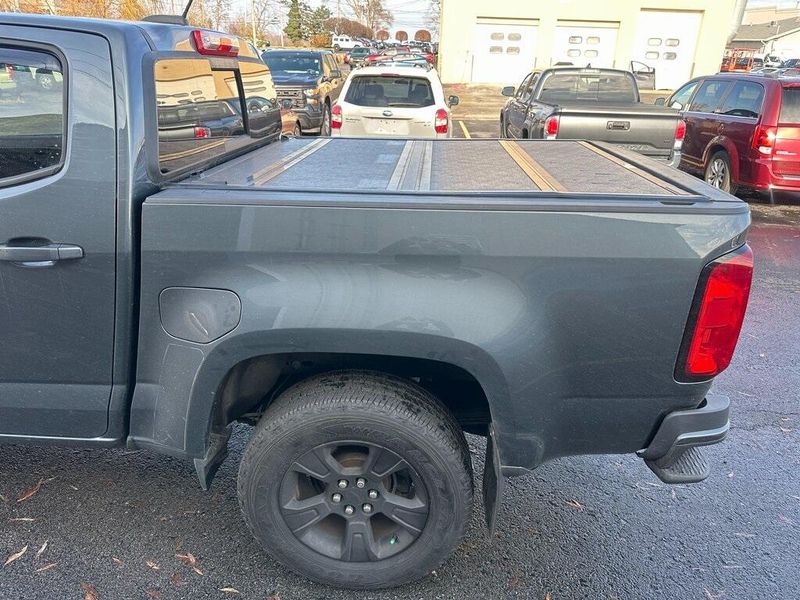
pixel 201 133
pixel 336 117
pixel 764 139
pixel 680 133
pixel 680 130
pixel 440 122
pixel 551 128
pixel 717 314
pixel 215 44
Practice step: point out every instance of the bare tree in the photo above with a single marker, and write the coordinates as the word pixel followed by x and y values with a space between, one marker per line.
pixel 371 13
pixel 434 16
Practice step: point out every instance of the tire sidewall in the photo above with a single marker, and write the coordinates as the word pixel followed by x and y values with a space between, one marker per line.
pixel 722 155
pixel 447 507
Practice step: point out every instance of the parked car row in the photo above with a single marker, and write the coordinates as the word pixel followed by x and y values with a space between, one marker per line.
pixel 735 130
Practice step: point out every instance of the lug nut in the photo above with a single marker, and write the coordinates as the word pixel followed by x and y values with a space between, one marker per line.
pixel 342 483
pixel 373 494
pixel 367 508
pixel 361 482
pixel 349 510
pixel 337 497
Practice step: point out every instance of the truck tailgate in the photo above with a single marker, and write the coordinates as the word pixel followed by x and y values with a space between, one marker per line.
pixel 492 170
pixel 644 128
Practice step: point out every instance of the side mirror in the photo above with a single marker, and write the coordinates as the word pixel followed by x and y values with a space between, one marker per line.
pixel 661 101
pixel 452 100
pixel 286 103
pixel 509 90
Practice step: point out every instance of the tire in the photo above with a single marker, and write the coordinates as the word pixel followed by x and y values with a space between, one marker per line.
pixel 406 445
pixel 718 172
pixel 337 47
pixel 325 128
pixel 298 131
pixel 503 132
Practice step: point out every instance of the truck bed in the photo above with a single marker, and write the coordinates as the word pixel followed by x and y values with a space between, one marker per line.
pixel 461 167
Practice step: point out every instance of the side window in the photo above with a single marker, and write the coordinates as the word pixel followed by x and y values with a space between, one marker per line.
pixel 31 114
pixel 744 100
pixel 680 99
pixel 326 66
pixel 709 95
pixel 526 93
pixel 523 86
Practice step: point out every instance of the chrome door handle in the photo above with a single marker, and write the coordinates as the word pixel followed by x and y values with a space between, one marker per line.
pixel 39 256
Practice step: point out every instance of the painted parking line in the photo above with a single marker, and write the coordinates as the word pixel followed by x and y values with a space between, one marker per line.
pixel 464 129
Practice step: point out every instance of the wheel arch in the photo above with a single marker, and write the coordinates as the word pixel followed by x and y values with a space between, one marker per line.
pixel 720 143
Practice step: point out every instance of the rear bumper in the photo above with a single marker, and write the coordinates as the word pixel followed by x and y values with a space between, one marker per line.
pixel 765 179
pixel 707 424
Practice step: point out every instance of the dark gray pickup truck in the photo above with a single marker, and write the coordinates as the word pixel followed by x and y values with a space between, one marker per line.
pixel 171 267
pixel 603 105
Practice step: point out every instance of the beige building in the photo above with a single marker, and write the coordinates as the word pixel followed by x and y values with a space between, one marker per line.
pixel 498 41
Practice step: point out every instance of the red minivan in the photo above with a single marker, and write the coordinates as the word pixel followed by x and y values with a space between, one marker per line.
pixel 742 131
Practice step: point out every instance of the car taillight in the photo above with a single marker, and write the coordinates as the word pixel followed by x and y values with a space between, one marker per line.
pixel 716 317
pixel 10 71
pixel 680 133
pixel 336 117
pixel 440 121
pixel 215 44
pixel 202 133
pixel 551 128
pixel 764 139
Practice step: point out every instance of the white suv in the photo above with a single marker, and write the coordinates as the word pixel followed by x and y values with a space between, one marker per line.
pixel 344 42
pixel 392 100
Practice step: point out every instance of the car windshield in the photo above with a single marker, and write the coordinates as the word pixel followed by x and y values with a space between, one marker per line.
pixel 293 63
pixel 390 90
pixel 589 86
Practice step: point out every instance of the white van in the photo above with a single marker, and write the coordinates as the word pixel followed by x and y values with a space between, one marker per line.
pixel 344 42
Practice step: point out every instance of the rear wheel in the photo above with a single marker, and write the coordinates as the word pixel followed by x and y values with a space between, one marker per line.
pixel 718 172
pixel 357 479
pixel 298 131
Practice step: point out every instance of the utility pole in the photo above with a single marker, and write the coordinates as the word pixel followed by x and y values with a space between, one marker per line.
pixel 338 15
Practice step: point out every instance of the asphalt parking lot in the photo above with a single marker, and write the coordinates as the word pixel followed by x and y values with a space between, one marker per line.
pixel 585 527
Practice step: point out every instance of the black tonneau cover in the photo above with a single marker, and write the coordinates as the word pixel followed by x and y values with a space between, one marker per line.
pixel 453 166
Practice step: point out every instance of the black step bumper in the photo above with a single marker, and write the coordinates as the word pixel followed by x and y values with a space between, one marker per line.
pixel 672 454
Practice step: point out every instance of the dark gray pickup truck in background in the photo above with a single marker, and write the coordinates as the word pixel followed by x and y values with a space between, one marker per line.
pixel 603 105
pixel 170 267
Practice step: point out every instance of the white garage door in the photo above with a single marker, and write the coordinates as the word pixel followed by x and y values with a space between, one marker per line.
pixel 503 52
pixel 584 44
pixel 666 41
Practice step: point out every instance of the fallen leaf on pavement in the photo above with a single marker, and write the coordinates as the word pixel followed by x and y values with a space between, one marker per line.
pixel 711 596
pixel 15 556
pixel 154 594
pixel 89 592
pixel 786 520
pixel 187 558
pixel 547 596
pixel 745 535
pixel 514 583
pixel 230 590
pixel 42 549
pixel 176 579
pixel 152 565
pixel 21 520
pixel 46 568
pixel 30 493
pixel 575 504
pixel 787 429
pixel 117 561
pixel 274 596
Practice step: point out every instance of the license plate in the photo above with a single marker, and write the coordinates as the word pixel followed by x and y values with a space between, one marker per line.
pixel 386 126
